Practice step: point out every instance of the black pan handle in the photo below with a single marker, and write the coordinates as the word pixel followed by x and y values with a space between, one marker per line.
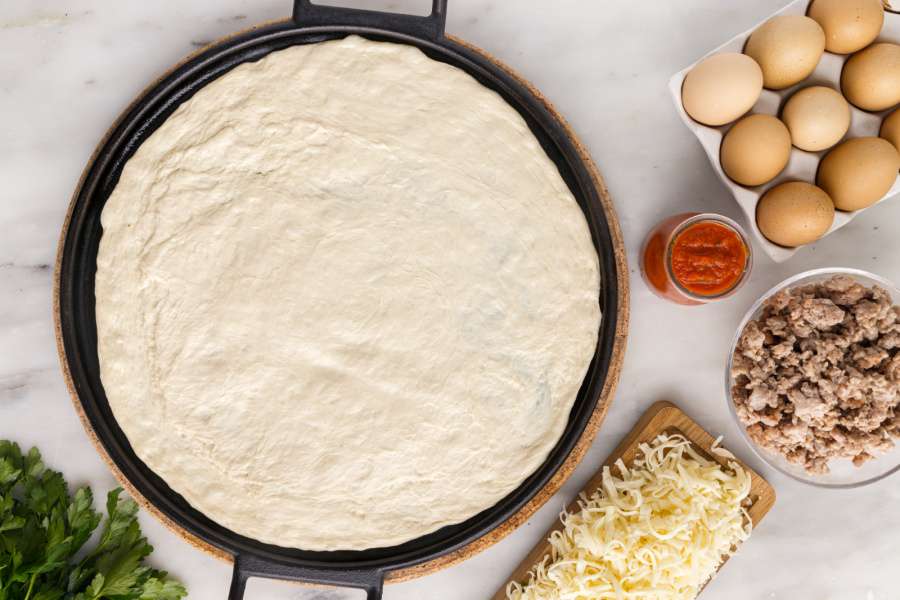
pixel 246 567
pixel 429 27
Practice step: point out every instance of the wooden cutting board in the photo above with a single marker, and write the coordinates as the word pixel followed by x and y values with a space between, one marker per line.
pixel 662 417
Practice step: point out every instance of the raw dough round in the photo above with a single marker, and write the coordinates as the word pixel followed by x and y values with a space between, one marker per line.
pixel 344 298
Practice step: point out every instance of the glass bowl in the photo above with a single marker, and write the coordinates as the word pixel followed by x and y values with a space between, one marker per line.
pixel 843 473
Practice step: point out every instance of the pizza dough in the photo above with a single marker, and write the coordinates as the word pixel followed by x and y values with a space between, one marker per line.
pixel 344 298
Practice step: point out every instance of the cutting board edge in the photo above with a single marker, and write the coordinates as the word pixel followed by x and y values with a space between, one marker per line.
pixel 661 416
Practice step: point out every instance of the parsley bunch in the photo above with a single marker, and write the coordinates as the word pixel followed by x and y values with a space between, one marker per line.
pixel 44 534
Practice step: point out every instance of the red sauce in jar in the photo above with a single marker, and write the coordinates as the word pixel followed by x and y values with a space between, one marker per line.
pixel 708 258
pixel 692 260
pixel 654 259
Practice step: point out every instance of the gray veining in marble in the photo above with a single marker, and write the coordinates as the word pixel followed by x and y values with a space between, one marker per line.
pixel 68 68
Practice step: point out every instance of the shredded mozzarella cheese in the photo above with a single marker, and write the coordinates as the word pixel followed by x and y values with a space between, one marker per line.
pixel 657 531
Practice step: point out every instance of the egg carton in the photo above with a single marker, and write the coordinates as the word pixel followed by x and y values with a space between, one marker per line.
pixel 802 165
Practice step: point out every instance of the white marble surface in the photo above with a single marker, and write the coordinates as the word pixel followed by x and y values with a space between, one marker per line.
pixel 68 68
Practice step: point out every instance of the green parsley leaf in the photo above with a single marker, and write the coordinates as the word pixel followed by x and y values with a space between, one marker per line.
pixel 43 528
pixel 159 587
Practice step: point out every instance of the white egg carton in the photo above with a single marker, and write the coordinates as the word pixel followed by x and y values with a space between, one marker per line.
pixel 802 165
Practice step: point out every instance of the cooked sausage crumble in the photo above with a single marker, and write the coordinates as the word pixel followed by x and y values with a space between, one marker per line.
pixel 817 375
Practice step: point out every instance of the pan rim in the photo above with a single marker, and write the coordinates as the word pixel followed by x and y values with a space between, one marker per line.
pixel 618 312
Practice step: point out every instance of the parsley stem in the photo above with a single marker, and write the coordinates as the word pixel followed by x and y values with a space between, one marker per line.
pixel 30 586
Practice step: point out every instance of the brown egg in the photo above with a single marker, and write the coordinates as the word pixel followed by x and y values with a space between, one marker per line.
pixel 849 25
pixel 859 172
pixel 755 150
pixel 794 213
pixel 817 117
pixel 721 88
pixel 871 78
pixel 787 48
pixel 890 129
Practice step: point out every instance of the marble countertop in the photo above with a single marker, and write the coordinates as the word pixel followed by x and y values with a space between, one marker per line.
pixel 68 68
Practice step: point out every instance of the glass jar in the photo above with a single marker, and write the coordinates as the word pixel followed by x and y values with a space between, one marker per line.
pixel 696 258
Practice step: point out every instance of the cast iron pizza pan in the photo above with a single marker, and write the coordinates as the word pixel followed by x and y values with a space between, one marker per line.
pixel 76 326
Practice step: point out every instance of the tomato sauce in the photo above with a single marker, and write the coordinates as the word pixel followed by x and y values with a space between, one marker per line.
pixel 708 258
pixel 690 259
pixel 654 260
